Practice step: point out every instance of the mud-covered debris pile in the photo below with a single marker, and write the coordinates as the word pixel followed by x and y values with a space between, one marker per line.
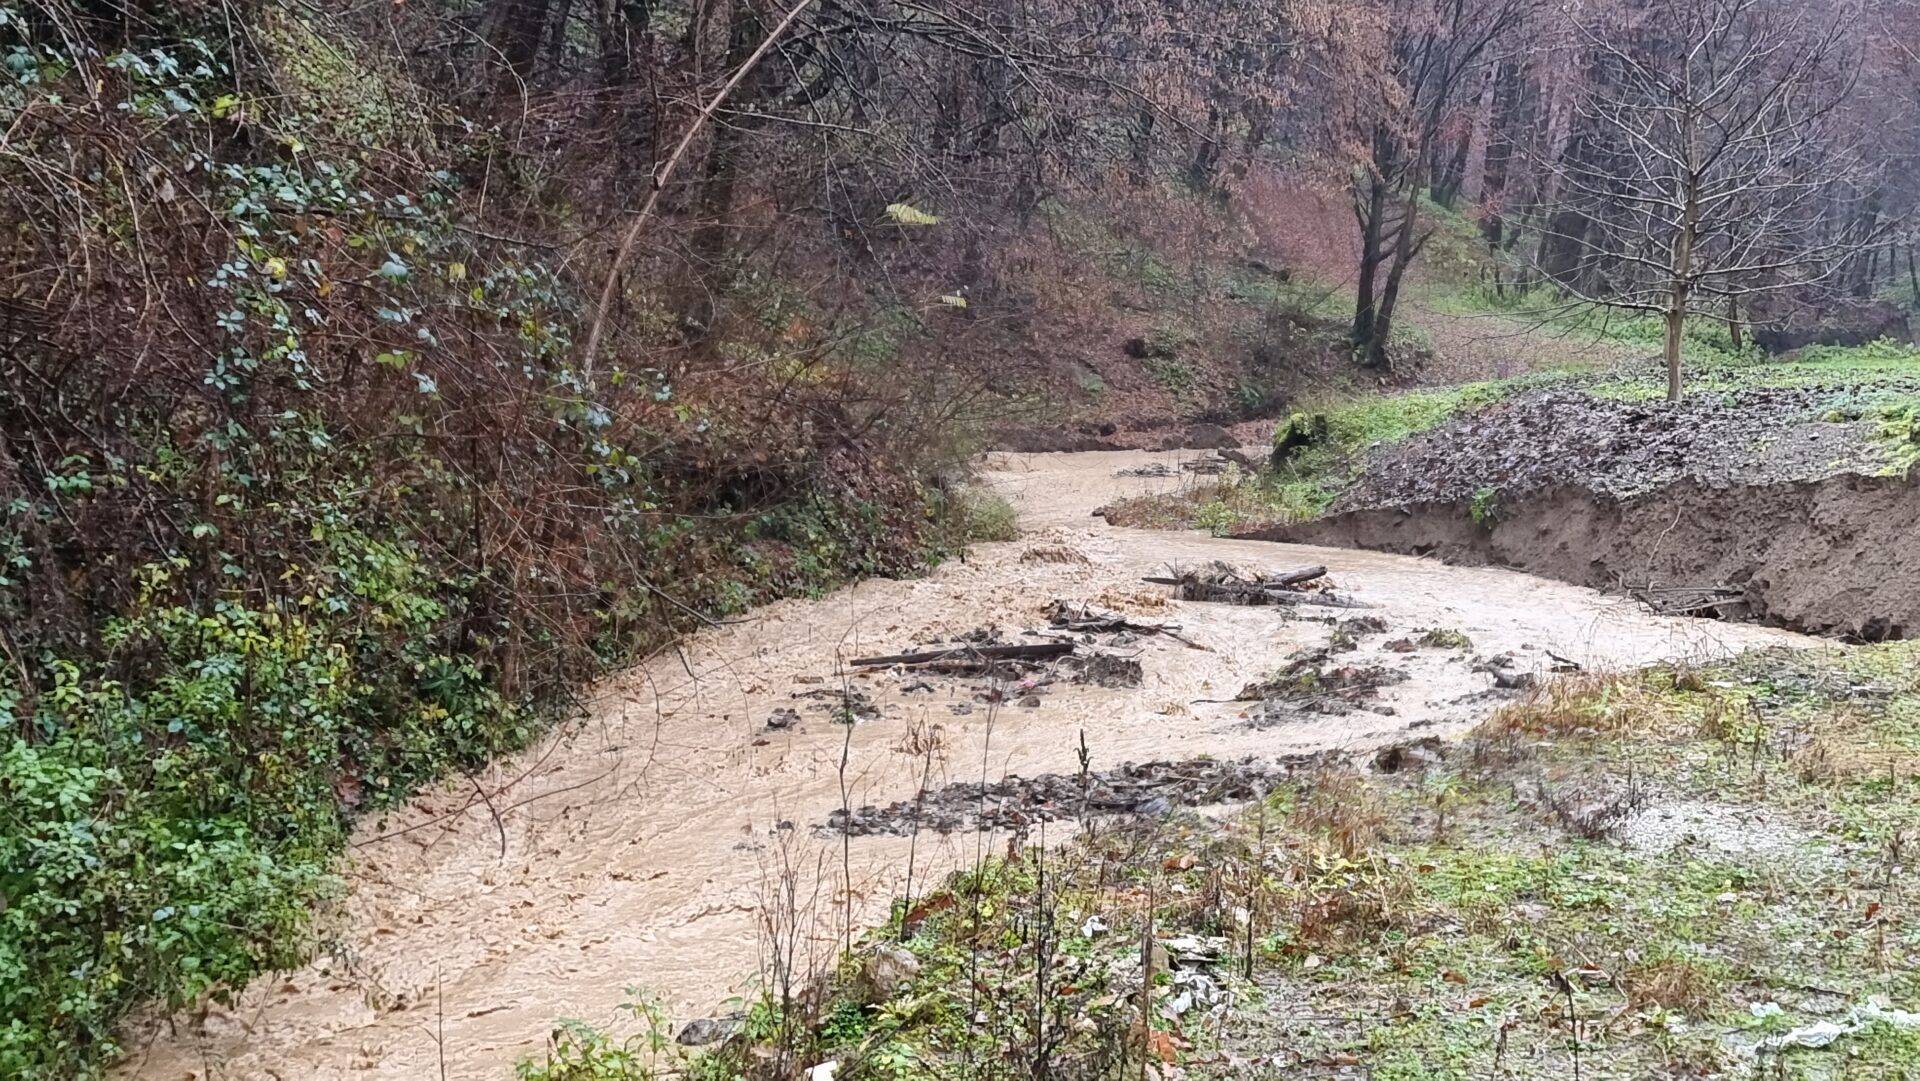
pixel 972 657
pixel 1083 643
pixel 1346 634
pixel 1151 788
pixel 1224 583
pixel 1089 620
pixel 1112 670
pixel 1210 465
pixel 1313 683
pixel 842 705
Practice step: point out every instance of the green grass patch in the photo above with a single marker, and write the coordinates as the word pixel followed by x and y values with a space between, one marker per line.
pixel 1325 446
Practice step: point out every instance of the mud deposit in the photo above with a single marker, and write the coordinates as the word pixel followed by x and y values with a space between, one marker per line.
pixel 1838 555
pixel 1621 449
pixel 1016 803
pixel 649 844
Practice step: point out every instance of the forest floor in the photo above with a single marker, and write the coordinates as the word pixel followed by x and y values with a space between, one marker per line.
pixel 1137 353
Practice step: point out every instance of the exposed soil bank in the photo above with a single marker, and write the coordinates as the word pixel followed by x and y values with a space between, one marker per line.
pixel 1839 555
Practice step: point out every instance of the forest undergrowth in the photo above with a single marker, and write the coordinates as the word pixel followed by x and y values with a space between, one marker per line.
pixel 307 496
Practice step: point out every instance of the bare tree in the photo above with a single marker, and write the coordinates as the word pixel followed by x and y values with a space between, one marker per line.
pixel 1709 168
pixel 1438 51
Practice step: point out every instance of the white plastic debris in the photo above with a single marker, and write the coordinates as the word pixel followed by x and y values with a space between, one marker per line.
pixel 1818 1034
pixel 824 1071
pixel 1824 1033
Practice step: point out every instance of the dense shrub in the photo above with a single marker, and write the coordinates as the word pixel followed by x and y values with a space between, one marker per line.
pixel 306 497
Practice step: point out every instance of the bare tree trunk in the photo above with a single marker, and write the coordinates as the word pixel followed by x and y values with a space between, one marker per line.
pixel 720 177
pixel 1473 179
pixel 1560 116
pixel 1683 241
pixel 1204 164
pixel 610 284
pixel 624 26
pixel 625 31
pixel 517 29
pixel 1734 329
pixel 1404 249
pixel 1677 303
pixel 1140 148
pixel 1676 325
pixel 557 36
pixel 1369 214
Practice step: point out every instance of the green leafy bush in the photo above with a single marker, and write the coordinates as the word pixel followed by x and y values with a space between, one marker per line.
pixel 1484 508
pixel 306 497
pixel 578 1051
pixel 1216 517
pixel 989 516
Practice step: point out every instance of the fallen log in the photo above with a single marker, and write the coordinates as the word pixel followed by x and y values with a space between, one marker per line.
pixel 1685 600
pixel 1284 578
pixel 1322 600
pixel 1083 618
pixel 1248 593
pixel 1035 651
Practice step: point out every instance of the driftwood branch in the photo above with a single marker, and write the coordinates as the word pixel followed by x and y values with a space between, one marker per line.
pixel 1284 578
pixel 1082 618
pixel 1036 651
pixel 1224 584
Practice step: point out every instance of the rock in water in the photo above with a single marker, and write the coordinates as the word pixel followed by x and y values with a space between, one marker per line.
pixel 1210 437
pixel 1416 756
pixel 705 1030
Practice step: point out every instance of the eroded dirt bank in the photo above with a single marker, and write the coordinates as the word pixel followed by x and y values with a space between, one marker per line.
pixel 1838 555
pixel 641 847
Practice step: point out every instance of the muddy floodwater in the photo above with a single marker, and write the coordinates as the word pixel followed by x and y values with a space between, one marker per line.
pixel 650 845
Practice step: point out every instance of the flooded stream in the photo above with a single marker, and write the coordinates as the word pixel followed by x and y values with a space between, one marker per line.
pixel 641 847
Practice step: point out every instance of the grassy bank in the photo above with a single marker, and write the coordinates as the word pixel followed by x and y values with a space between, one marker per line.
pixel 1683 871
pixel 1324 450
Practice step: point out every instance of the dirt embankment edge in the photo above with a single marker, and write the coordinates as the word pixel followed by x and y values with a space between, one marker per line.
pixel 1839 555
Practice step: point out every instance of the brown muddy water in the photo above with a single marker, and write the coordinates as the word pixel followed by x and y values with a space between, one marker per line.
pixel 647 846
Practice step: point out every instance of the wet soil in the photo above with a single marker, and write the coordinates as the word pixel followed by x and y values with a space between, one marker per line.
pixel 1838 555
pixel 646 845
pixel 1017 803
pixel 1619 449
